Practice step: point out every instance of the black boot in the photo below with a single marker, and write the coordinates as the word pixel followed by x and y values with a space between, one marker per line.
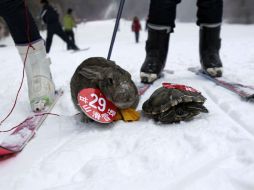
pixel 74 47
pixel 71 45
pixel 156 55
pixel 209 46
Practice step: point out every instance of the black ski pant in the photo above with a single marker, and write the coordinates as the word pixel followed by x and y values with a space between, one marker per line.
pixel 137 37
pixel 70 35
pixel 163 12
pixel 56 28
pixel 13 12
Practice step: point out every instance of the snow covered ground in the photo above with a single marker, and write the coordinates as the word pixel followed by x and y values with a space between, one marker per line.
pixel 214 151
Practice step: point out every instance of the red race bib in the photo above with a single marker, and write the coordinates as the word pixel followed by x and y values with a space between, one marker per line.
pixel 95 105
pixel 179 87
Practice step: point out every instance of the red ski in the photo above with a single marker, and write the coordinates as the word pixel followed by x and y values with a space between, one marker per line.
pixel 25 131
pixel 142 88
pixel 246 92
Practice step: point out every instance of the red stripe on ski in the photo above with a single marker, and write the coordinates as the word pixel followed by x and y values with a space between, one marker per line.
pixel 244 91
pixel 5 151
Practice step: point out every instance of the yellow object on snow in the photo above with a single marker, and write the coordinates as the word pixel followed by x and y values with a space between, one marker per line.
pixel 127 115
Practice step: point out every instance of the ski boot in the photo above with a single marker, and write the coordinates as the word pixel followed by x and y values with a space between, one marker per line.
pixel 209 46
pixel 41 88
pixel 71 45
pixel 156 55
pixel 74 47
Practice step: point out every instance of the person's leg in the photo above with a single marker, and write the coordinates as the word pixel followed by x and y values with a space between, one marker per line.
pixel 13 12
pixel 67 32
pixel 40 85
pixel 209 19
pixel 72 36
pixel 137 36
pixel 209 12
pixel 161 22
pixel 162 14
pixel 63 36
pixel 49 38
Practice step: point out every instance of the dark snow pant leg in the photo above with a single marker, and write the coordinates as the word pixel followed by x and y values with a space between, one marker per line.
pixel 209 11
pixel 13 12
pixel 137 37
pixel 50 34
pixel 70 35
pixel 59 31
pixel 163 12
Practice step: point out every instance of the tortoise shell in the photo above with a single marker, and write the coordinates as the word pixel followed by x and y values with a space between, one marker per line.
pixel 174 103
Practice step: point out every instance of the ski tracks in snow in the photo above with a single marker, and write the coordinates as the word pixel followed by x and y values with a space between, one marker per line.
pixel 229 111
pixel 92 158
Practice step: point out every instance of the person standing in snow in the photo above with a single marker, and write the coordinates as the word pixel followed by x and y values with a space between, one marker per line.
pixel 136 27
pixel 161 22
pixel 69 23
pixel 41 87
pixel 50 16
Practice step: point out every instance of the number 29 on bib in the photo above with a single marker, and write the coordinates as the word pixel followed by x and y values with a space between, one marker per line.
pixel 95 105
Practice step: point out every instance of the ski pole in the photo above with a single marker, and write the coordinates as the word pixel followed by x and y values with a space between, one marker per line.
pixel 120 10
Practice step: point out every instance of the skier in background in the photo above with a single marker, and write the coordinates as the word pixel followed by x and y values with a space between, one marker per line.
pixel 50 16
pixel 161 22
pixel 41 87
pixel 69 23
pixel 136 27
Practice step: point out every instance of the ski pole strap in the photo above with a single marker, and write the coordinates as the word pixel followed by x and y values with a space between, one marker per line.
pixel 120 10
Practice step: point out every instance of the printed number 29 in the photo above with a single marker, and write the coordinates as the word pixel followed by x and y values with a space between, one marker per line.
pixel 101 102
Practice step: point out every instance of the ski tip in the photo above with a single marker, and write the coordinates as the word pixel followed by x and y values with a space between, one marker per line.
pixel 6 153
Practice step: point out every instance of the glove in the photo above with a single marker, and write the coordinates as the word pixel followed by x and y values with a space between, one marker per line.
pixel 174 103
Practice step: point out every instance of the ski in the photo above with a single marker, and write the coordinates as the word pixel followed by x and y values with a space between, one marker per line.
pixel 246 92
pixel 143 87
pixel 17 140
pixel 82 49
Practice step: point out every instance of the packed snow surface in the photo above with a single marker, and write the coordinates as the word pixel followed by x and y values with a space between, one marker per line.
pixel 213 151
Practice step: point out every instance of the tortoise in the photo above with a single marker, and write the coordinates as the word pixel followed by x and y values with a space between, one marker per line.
pixel 173 103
